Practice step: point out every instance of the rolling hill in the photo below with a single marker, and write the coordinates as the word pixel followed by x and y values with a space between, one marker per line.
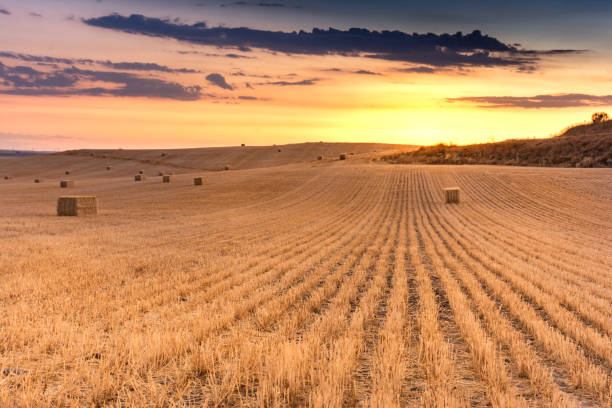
pixel 93 163
pixel 579 146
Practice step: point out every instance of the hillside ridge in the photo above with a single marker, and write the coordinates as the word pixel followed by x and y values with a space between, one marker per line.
pixel 585 145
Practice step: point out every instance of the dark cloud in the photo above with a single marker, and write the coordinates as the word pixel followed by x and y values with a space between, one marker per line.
pixel 35 14
pixel 474 49
pixel 4 11
pixel 237 56
pixel 218 80
pixel 248 98
pixel 418 70
pixel 366 72
pixel 538 101
pixel 28 81
pixel 312 81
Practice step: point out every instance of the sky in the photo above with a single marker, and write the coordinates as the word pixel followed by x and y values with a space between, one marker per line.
pixel 196 73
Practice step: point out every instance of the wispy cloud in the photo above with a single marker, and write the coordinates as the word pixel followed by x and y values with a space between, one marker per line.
pixel 366 72
pixel 258 4
pixel 538 101
pixel 444 50
pixel 146 66
pixel 21 80
pixel 5 12
pixel 418 70
pixel 303 82
pixel 130 66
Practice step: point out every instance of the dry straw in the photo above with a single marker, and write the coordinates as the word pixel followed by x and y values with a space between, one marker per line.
pixel 451 195
pixel 166 178
pixel 66 183
pixel 77 205
pixel 139 177
pixel 198 181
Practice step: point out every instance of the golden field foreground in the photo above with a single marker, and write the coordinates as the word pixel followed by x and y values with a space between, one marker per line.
pixel 322 283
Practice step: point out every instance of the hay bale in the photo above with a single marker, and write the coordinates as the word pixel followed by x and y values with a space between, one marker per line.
pixel 140 177
pixel 319 157
pixel 160 174
pixel 227 167
pixel 243 145
pixel 37 180
pixel 104 156
pixel 279 150
pixel 166 178
pixel 198 181
pixel 7 177
pixel 77 205
pixel 163 155
pixel 140 171
pixel 451 195
pixel 67 172
pixel 109 167
pixel 343 156
pixel 66 183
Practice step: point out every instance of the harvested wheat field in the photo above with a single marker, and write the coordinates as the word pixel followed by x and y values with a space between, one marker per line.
pixel 320 283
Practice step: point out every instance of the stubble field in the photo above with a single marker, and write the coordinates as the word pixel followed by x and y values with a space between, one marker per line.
pixel 325 283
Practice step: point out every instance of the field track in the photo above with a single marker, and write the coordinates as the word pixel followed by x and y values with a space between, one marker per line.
pixel 328 284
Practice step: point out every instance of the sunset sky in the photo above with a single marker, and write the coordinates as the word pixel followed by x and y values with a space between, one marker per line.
pixel 188 73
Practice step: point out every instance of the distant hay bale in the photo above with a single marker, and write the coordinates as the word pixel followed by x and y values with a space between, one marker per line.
pixel 166 178
pixel 451 195
pixel 108 167
pixel 161 173
pixel 37 180
pixel 140 177
pixel 66 183
pixel 319 157
pixel 92 154
pixel 67 172
pixel 104 156
pixel 163 155
pixel 7 177
pixel 140 171
pixel 343 156
pixel 198 181
pixel 352 154
pixel 280 150
pixel 77 205
pixel 243 145
pixel 227 167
